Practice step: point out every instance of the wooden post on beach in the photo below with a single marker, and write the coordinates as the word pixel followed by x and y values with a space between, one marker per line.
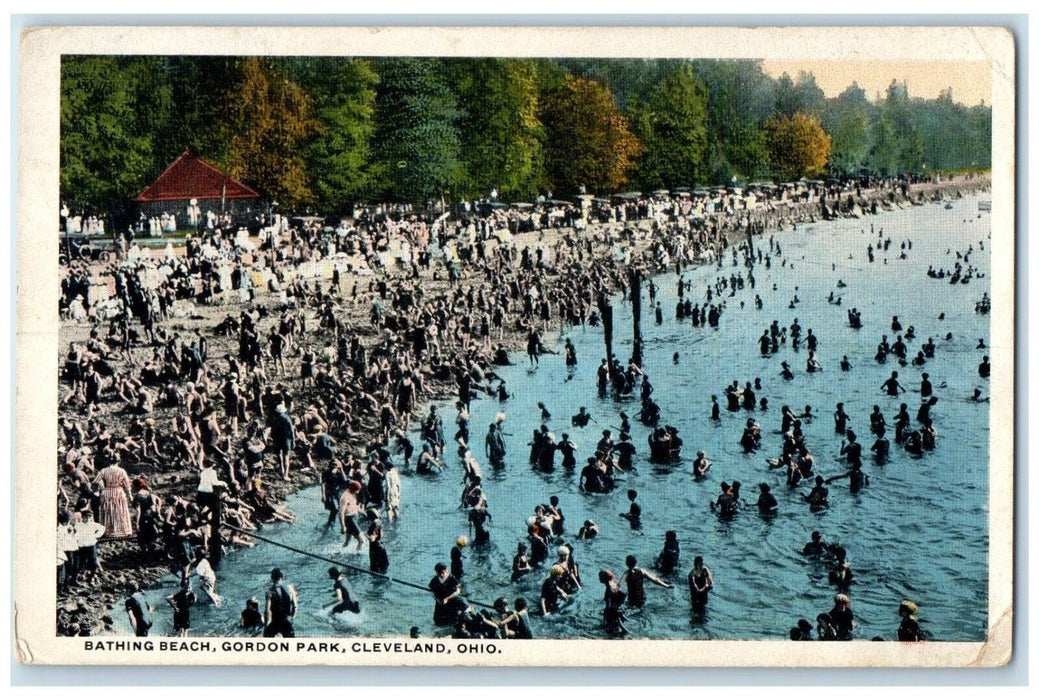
pixel 216 548
pixel 606 312
pixel 635 292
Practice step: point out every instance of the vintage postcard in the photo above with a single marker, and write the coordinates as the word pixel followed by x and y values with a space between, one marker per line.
pixel 515 346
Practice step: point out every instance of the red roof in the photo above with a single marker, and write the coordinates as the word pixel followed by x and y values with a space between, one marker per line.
pixel 190 177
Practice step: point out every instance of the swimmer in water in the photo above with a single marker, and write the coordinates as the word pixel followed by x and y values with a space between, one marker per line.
pixel 909 629
pixel 701 465
pixel 727 502
pixel 891 385
pixel 819 496
pixel 845 365
pixel 343 600
pixel 667 562
pixel 520 563
pixel 840 420
pixel 803 631
pixel 701 582
pixel 925 386
pixel 634 514
pixel 613 599
pixel 851 449
pixel 767 503
pixel 977 397
pixel 876 421
pixel 635 579
pixel 881 448
pixel 786 373
pixel 841 574
pixel 816 547
pixel 588 531
pixel 581 419
pixel 857 479
pixel 813 363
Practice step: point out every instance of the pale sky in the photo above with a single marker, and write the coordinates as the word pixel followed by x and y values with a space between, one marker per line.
pixel 971 82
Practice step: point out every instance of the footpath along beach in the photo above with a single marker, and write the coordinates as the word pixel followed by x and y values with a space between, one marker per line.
pixel 91 607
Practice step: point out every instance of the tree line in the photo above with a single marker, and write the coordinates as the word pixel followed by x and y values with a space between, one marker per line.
pixel 323 133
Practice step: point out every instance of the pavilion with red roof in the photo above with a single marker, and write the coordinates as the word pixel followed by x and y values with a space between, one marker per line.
pixel 191 178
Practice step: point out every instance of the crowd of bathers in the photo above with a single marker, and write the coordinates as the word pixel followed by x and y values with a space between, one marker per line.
pixel 325 376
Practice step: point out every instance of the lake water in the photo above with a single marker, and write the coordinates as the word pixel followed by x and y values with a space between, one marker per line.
pixel 919 531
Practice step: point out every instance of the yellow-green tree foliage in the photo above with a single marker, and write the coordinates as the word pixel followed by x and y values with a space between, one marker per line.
pixel 798 146
pixel 271 120
pixel 589 140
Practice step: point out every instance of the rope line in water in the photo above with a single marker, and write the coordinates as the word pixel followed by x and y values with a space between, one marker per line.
pixel 358 569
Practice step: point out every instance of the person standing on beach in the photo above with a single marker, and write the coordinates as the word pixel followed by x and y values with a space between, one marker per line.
pixel 115 501
pixel 283 438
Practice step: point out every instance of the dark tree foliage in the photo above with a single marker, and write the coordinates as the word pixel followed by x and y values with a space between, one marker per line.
pixel 324 133
pixel 417 141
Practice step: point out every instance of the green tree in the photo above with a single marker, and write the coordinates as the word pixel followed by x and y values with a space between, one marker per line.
pixel 848 119
pixel 803 96
pixel 951 135
pixel 896 145
pixel 797 145
pixel 418 146
pixel 589 142
pixel 500 129
pixel 109 108
pixel 202 89
pixel 628 79
pixel 741 99
pixel 340 150
pixel 979 126
pixel 672 125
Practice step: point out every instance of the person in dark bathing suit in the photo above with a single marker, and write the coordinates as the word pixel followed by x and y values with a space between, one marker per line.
pixel 881 448
pixel 446 592
pixel 818 497
pixel 345 602
pixel 667 562
pixel 613 604
pixel 840 420
pixel 701 582
pixel 635 579
pixel 767 503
